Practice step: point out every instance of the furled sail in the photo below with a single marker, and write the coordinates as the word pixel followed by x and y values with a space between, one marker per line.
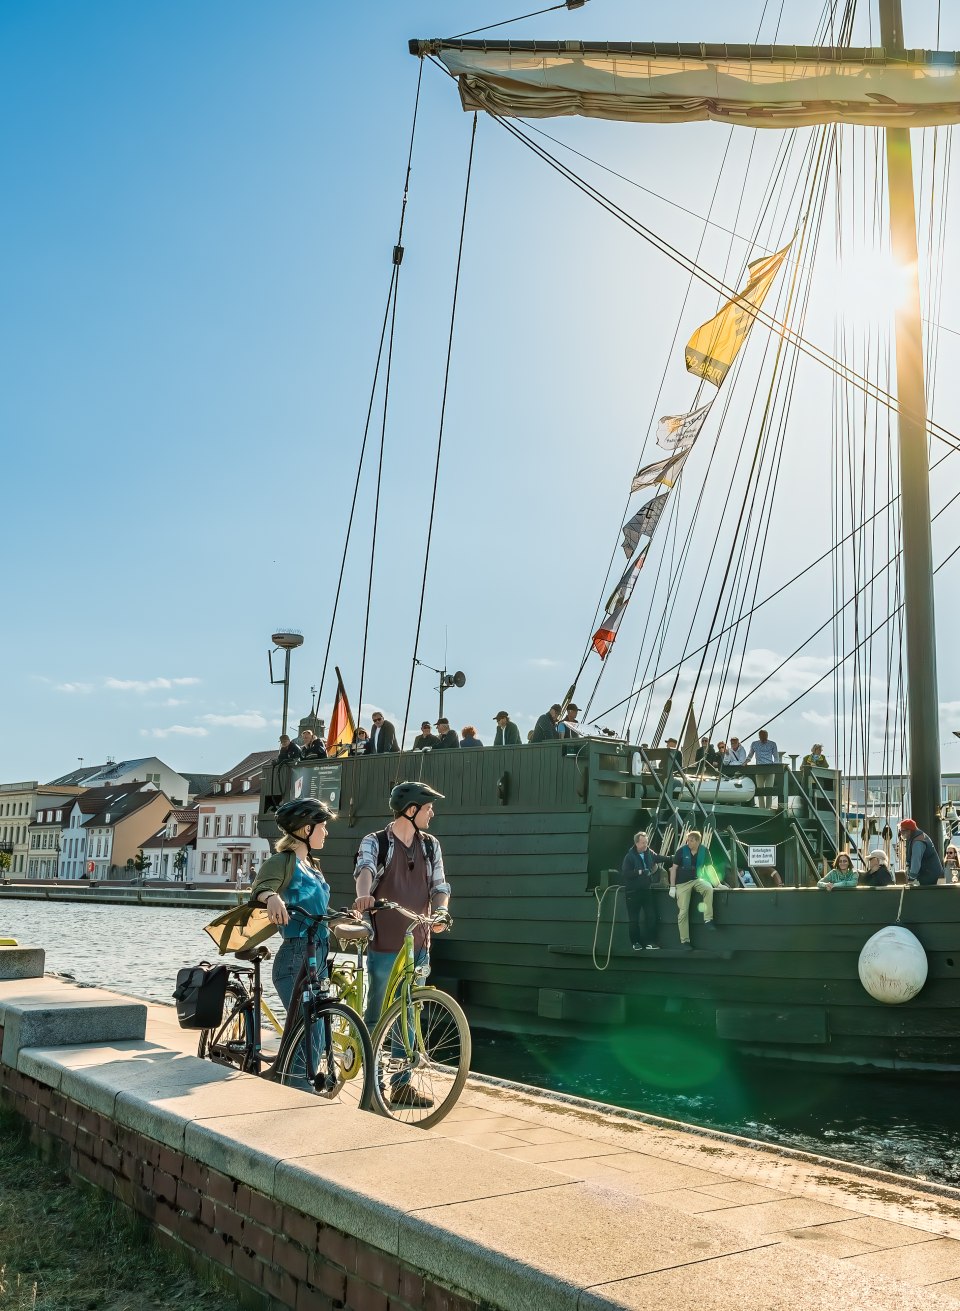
pixel 655 82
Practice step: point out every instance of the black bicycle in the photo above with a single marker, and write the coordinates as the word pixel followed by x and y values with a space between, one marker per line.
pixel 325 1048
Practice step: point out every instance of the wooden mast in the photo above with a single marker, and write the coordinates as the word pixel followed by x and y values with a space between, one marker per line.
pixel 922 701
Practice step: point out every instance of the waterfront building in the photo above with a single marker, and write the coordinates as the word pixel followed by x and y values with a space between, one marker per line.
pixel 145 769
pixel 19 803
pixel 105 828
pixel 173 848
pixel 229 846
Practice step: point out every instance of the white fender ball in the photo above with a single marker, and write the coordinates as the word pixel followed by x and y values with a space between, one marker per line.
pixel 893 965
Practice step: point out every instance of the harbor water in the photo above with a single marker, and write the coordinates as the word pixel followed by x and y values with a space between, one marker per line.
pixel 908 1126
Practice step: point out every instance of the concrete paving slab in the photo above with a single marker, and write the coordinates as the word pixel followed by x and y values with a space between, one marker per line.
pixel 688 1200
pixel 654 1174
pixel 22 962
pixel 494 1124
pixel 192 1089
pixel 931 1262
pixel 538 1134
pixel 489 1142
pixel 950 1288
pixel 569 1150
pixel 578 1234
pixel 248 1146
pixel 776 1278
pixel 47 1064
pixel 98 1086
pixel 825 1239
pixel 791 1213
pixel 738 1190
pixel 89 1020
pixel 882 1233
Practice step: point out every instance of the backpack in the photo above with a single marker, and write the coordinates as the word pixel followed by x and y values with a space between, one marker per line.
pixel 200 994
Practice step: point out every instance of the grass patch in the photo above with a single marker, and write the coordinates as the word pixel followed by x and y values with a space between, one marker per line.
pixel 70 1248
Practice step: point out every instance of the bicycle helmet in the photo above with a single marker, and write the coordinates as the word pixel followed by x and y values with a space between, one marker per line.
pixel 409 794
pixel 293 816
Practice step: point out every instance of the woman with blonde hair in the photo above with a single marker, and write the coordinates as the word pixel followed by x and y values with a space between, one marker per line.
pixel 291 879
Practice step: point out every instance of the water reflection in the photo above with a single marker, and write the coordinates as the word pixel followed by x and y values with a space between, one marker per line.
pixel 907 1126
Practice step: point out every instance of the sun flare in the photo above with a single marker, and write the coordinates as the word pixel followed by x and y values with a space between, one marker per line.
pixel 870 286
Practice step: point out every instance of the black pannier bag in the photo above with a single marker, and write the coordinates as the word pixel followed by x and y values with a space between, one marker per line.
pixel 200 993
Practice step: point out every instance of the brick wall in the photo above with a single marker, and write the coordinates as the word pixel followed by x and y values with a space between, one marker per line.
pixel 271 1255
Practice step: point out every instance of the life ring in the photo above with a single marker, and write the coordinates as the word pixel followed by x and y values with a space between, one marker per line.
pixel 893 965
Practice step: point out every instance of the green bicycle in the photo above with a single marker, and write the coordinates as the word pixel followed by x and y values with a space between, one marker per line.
pixel 422 1037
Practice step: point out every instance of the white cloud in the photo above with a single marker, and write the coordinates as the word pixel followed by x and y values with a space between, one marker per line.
pixel 249 719
pixel 543 662
pixel 950 707
pixel 147 685
pixel 175 730
pixel 73 687
pixel 173 701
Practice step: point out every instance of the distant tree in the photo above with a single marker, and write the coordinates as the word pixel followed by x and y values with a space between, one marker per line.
pixel 180 862
pixel 4 861
pixel 141 863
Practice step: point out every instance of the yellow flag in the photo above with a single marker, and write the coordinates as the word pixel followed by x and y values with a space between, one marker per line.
pixel 714 346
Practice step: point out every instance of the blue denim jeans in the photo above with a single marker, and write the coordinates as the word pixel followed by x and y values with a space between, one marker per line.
pixel 287 963
pixel 379 965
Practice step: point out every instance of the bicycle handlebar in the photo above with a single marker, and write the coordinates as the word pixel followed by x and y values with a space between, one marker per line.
pixel 347 913
pixel 441 916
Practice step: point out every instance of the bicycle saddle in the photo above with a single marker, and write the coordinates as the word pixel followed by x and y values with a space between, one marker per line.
pixel 253 953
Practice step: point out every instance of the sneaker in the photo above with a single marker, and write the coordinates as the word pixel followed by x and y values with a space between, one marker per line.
pixel 403 1094
pixel 710 926
pixel 638 946
pixel 653 946
pixel 686 946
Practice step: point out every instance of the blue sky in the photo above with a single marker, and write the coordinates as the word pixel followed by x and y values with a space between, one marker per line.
pixel 201 203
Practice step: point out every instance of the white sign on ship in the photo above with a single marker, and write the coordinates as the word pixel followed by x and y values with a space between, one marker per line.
pixel 762 855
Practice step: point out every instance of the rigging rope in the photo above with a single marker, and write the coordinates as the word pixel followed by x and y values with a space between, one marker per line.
pixel 394 271
pixel 443 413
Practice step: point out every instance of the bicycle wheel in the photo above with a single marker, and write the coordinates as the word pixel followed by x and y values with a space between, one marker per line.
pixel 435 1072
pixel 229 1044
pixel 343 1059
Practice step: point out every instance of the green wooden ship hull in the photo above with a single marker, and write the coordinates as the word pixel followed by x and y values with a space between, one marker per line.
pixel 532 838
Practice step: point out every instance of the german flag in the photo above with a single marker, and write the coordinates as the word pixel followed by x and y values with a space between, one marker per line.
pixel 342 728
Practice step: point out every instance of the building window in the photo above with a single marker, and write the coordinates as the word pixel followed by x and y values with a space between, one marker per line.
pixel 217 826
pixel 206 826
pixel 241 825
pixel 229 826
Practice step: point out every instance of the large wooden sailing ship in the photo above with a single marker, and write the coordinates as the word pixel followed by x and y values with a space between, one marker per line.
pixel 533 835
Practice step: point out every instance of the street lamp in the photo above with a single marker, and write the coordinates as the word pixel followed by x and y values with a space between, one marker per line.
pixel 285 640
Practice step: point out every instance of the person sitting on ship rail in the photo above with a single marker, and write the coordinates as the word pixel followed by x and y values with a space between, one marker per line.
pixel 403 864
pixel 840 875
pixel 686 879
pixel 923 863
pixel 815 759
pixel 637 871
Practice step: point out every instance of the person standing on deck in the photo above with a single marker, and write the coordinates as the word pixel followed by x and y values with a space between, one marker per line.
pixel 685 880
pixel 707 756
pixel 764 752
pixel 545 729
pixel 402 864
pixel 313 746
pixel 468 737
pixel 507 734
pixel 383 736
pixel 637 871
pixel 736 753
pixel 923 863
pixel 568 726
pixel 815 759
